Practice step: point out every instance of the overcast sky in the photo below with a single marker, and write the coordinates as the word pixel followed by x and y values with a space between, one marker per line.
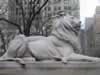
pixel 87 8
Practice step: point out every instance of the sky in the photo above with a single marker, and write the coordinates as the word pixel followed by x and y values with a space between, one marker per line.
pixel 87 8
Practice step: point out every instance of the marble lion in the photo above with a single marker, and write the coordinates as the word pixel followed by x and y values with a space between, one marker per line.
pixel 61 45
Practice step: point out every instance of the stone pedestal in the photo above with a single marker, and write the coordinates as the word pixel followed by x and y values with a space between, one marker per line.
pixel 50 68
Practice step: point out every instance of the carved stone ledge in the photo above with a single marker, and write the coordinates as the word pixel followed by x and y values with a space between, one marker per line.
pixel 50 68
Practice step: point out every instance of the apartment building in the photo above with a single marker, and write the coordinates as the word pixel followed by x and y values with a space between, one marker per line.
pixel 92 34
pixel 97 27
pixel 71 7
pixel 87 37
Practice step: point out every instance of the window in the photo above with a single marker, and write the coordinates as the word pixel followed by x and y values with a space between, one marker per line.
pixel 16 11
pixel 59 8
pixel 66 0
pixel 49 8
pixel 17 1
pixel 20 13
pixel 55 8
pixel 49 15
pixel 25 2
pixel 67 7
pixel 59 0
pixel 69 13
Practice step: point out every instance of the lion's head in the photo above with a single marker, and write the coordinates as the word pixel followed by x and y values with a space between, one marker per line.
pixel 67 28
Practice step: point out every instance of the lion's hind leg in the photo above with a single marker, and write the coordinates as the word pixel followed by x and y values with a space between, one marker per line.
pixel 80 57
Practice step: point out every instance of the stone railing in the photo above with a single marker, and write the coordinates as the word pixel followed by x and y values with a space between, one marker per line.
pixel 49 68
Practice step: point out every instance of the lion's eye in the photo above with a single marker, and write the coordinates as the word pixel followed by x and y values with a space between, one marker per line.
pixel 67 27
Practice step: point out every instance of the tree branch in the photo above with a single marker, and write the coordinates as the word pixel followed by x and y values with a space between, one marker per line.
pixel 17 25
pixel 3 40
pixel 33 16
pixel 39 10
pixel 20 4
pixel 32 9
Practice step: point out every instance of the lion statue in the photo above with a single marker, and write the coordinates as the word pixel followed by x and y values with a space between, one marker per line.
pixel 61 45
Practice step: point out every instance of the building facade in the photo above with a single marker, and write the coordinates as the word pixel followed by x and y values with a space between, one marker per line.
pixel 88 38
pixel 97 28
pixel 71 7
pixel 92 34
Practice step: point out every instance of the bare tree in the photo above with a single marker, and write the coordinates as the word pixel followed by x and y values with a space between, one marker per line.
pixel 34 8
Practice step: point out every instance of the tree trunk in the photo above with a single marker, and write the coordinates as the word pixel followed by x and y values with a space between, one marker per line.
pixel 27 32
